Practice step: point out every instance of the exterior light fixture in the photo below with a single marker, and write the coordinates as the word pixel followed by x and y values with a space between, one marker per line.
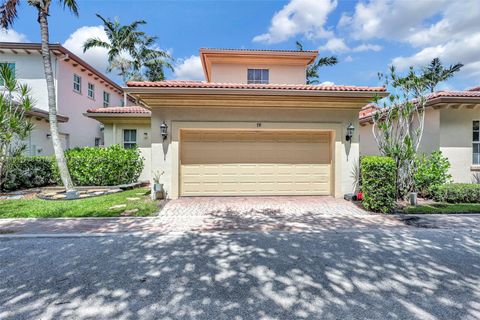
pixel 164 130
pixel 49 135
pixel 350 130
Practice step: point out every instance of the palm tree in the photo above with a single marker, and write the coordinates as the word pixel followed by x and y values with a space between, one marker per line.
pixel 312 70
pixel 435 73
pixel 8 14
pixel 130 51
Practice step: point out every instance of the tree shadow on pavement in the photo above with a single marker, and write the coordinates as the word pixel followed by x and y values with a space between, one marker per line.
pixel 380 274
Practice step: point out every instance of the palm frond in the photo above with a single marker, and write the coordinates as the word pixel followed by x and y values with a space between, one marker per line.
pixel 71 5
pixel 8 13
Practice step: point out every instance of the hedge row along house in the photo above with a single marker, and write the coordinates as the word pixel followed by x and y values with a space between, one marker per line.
pixel 254 127
pixel 452 126
pixel 78 85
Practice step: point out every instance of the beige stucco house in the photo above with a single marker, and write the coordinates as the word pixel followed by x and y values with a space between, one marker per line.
pixel 252 128
pixel 452 120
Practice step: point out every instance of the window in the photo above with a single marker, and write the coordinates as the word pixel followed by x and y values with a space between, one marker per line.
pixel 11 65
pixel 129 138
pixel 77 83
pixel 476 143
pixel 106 99
pixel 91 90
pixel 257 76
pixel 97 142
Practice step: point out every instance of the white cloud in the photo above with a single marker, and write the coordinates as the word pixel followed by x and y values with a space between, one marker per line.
pixel 11 35
pixel 437 28
pixel 189 69
pixel 299 17
pixel 327 83
pixel 335 45
pixel 367 47
pixel 348 59
pixel 338 45
pixel 97 57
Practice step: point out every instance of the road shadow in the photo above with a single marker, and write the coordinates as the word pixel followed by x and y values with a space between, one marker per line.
pixel 385 274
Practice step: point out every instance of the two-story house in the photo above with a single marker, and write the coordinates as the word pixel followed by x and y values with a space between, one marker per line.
pixel 78 86
pixel 254 127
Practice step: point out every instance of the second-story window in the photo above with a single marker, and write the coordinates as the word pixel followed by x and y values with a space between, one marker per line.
pixel 91 90
pixel 257 76
pixel 106 99
pixel 77 83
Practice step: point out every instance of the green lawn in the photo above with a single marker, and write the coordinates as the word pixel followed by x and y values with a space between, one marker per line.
pixel 444 208
pixel 90 207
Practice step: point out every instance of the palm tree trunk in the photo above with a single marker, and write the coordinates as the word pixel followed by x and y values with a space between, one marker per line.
pixel 52 104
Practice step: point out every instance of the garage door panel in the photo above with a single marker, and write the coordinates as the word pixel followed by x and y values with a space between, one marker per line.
pixel 255 163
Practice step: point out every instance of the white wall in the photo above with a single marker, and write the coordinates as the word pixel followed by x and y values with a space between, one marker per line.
pixel 29 71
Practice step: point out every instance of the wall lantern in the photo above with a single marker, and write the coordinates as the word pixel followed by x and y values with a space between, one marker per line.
pixel 164 130
pixel 49 135
pixel 350 130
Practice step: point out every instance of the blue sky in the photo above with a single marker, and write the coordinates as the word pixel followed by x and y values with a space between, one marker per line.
pixel 366 36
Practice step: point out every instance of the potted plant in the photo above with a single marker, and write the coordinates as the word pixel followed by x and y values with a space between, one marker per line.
pixel 157 186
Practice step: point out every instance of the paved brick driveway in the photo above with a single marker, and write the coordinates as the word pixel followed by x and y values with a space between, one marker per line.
pixel 268 214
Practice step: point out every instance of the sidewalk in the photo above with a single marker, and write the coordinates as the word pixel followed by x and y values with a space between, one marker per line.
pixel 205 223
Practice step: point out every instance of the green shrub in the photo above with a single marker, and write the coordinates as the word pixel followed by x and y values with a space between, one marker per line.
pixel 28 172
pixel 431 171
pixel 456 193
pixel 378 183
pixel 93 166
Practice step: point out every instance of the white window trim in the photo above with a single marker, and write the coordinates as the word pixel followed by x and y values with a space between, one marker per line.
pixel 475 142
pixel 257 68
pixel 79 84
pixel 93 91
pixel 105 102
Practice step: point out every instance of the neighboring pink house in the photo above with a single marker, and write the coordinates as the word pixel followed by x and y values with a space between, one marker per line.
pixel 79 86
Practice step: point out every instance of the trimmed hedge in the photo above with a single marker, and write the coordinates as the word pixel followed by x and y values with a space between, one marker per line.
pixel 378 183
pixel 28 172
pixel 456 193
pixel 93 166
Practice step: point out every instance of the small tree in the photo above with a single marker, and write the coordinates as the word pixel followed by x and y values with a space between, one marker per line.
pixel 398 123
pixel 312 70
pixel 15 127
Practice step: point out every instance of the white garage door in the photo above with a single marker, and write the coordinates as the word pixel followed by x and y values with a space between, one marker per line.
pixel 229 162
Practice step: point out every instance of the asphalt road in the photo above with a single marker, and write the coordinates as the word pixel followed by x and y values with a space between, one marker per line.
pixel 389 274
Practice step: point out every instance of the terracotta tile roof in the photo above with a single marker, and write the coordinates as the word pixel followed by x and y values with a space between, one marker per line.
pixel 468 93
pixel 258 50
pixel 474 89
pixel 118 110
pixel 367 110
pixel 214 85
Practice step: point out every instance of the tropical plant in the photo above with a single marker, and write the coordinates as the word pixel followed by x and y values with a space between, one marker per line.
pixel 398 123
pixel 312 70
pixel 8 14
pixel 378 183
pixel 435 73
pixel 430 171
pixel 131 52
pixel 15 102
